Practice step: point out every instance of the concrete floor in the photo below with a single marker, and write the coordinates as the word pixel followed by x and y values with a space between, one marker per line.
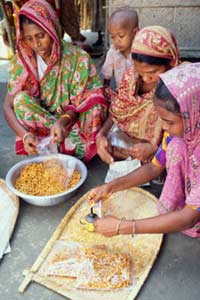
pixel 175 275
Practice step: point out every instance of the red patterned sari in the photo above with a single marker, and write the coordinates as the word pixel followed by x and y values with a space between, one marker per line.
pixel 135 114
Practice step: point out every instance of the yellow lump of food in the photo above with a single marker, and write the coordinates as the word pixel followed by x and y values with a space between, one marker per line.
pixel 45 178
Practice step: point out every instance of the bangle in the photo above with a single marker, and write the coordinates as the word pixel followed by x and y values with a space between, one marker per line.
pixel 133 228
pixel 68 116
pixel 25 136
pixel 118 225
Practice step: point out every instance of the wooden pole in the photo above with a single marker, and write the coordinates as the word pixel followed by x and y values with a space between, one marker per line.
pixel 8 29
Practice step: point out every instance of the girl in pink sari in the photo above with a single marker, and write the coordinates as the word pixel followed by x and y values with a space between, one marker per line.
pixel 177 101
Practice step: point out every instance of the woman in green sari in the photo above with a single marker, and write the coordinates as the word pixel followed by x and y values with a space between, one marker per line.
pixel 53 88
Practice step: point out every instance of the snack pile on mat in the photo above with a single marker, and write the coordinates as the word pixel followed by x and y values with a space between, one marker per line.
pixel 91 267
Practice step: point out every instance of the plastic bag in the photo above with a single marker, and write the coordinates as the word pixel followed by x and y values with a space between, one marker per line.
pixel 98 208
pixel 45 147
pixel 103 269
pixel 92 267
pixel 64 260
pixel 118 138
pixel 60 170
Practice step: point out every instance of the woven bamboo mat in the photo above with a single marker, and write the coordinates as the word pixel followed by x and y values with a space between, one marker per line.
pixel 143 249
pixel 15 201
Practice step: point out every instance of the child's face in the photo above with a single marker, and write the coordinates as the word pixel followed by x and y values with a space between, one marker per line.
pixel 172 122
pixel 122 38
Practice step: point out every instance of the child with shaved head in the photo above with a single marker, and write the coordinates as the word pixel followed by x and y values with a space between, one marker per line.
pixel 123 25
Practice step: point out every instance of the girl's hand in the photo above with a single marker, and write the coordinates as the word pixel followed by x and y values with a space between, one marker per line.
pixel 104 149
pixel 106 226
pixel 141 151
pixel 30 143
pixel 99 193
pixel 60 130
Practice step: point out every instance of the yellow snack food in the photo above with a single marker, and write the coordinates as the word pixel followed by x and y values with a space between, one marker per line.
pixel 45 178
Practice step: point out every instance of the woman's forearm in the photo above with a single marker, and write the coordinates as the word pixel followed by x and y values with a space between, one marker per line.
pixel 11 117
pixel 69 117
pixel 137 177
pixel 106 126
pixel 169 222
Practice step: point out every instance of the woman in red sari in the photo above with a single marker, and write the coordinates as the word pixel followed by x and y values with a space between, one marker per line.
pixel 154 51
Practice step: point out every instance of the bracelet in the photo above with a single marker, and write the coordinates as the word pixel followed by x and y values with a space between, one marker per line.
pixel 133 229
pixel 69 117
pixel 118 225
pixel 25 136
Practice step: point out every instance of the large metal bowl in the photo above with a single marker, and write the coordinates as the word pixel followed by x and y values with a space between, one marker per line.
pixel 14 172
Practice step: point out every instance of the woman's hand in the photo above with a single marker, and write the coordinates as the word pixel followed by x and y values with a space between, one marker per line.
pixel 104 149
pixel 99 193
pixel 30 143
pixel 106 226
pixel 142 151
pixel 60 130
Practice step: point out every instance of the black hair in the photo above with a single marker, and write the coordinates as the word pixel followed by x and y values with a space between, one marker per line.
pixel 151 60
pixel 24 20
pixel 9 3
pixel 166 99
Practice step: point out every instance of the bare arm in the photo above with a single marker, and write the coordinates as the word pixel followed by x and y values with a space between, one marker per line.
pixel 142 151
pixel 169 222
pixel 10 117
pixel 103 146
pixel 106 126
pixel 29 139
pixel 62 126
pixel 137 177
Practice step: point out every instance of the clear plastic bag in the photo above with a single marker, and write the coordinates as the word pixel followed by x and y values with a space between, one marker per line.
pixel 102 269
pixel 60 170
pixel 92 267
pixel 97 208
pixel 45 147
pixel 118 138
pixel 64 260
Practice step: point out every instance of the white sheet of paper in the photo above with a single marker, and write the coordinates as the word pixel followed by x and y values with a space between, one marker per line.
pixel 7 211
pixel 121 168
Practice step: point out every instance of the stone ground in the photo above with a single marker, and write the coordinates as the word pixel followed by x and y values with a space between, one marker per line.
pixel 175 274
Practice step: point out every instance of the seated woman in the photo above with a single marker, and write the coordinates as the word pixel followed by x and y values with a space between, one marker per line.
pixel 53 88
pixel 154 51
pixel 177 101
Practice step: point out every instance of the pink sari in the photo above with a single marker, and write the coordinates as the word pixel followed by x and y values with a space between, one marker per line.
pixel 183 154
